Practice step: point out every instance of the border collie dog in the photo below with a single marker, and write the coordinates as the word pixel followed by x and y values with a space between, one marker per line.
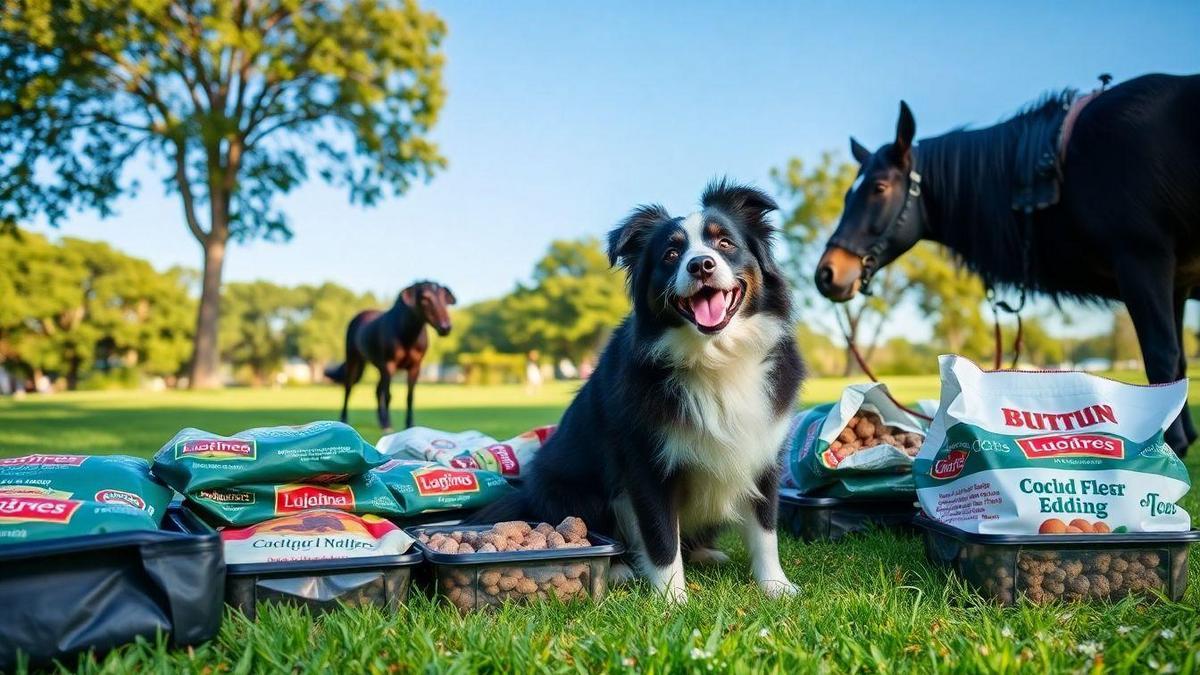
pixel 678 430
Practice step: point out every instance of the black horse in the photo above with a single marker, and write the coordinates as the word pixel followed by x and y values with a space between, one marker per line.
pixel 393 340
pixel 1121 220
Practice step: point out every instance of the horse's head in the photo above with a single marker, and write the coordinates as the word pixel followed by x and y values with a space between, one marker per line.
pixel 882 219
pixel 430 300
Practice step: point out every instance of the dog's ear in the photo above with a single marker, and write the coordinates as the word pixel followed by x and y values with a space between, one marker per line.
pixel 743 202
pixel 629 237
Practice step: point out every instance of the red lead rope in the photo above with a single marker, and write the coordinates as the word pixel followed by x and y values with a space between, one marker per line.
pixel 862 363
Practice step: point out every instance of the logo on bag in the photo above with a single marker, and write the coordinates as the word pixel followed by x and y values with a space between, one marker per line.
pixel 294 498
pixel 506 457
pixel 443 481
pixel 121 497
pixel 45 509
pixel 226 496
pixel 949 466
pixel 44 460
pixel 464 461
pixel 217 448
pixel 1072 445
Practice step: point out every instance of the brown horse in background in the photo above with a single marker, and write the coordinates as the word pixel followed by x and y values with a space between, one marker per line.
pixel 393 340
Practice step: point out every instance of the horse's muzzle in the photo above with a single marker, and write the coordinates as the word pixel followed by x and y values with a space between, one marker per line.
pixel 442 330
pixel 839 274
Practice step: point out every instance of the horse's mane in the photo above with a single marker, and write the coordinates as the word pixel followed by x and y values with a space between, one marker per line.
pixel 969 176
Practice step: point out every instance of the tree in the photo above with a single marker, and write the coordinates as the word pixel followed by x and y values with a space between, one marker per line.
pixel 243 101
pixel 575 301
pixel 951 297
pixel 78 304
pixel 815 198
pixel 323 313
pixel 261 318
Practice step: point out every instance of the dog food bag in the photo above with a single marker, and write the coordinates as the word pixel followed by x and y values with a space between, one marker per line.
pixel 420 487
pixel 28 517
pixel 320 452
pixel 860 446
pixel 1013 452
pixel 243 505
pixel 104 479
pixel 508 458
pixel 319 534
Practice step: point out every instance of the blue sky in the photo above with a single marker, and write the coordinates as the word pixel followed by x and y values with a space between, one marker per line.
pixel 563 116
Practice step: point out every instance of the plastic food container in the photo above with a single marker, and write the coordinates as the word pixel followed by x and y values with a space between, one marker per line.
pixel 59 597
pixel 1067 567
pixel 473 581
pixel 831 518
pixel 321 585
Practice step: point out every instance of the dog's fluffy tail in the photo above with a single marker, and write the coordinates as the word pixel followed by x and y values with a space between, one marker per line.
pixel 509 507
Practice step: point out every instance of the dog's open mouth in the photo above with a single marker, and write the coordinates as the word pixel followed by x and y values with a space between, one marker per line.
pixel 709 308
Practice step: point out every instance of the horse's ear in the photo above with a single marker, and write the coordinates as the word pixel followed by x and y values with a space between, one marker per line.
pixel 449 296
pixel 860 152
pixel 906 130
pixel 629 237
pixel 409 296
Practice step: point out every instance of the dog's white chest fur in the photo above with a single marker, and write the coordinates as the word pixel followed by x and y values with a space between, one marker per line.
pixel 733 434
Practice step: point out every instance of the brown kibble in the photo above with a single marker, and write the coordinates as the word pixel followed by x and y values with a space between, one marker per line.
pixel 572 528
pixel 544 529
pixel 1081 525
pixel 465 548
pixel 489 577
pixel 1100 527
pixel 847 436
pixel 512 529
pixel 527 586
pixel 423 538
pixel 535 541
pixel 1052 526
pixel 1073 530
pixel 487 548
pixel 575 571
pixel 864 429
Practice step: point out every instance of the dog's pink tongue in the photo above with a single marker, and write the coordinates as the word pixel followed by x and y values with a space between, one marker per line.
pixel 709 309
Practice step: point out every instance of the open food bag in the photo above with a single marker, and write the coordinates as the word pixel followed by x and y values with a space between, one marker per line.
pixel 467 449
pixel 1023 452
pixel 861 446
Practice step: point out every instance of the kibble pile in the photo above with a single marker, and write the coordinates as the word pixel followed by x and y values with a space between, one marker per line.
pixel 486 585
pixel 514 535
pixel 867 430
pixel 1046 576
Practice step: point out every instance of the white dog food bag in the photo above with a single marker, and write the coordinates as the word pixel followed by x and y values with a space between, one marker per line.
pixel 1013 452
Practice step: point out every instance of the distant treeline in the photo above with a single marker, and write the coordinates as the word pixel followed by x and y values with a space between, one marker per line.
pixel 82 314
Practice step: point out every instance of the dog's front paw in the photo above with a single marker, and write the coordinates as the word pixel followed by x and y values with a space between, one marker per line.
pixel 778 588
pixel 675 595
pixel 707 556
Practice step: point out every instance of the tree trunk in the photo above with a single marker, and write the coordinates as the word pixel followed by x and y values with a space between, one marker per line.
pixel 206 356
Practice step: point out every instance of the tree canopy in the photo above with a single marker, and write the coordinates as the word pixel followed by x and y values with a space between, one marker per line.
pixel 242 101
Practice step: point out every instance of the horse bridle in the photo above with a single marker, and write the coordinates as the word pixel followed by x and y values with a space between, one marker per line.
pixel 870 257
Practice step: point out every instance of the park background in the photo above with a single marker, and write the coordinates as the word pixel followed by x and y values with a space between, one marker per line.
pixel 521 134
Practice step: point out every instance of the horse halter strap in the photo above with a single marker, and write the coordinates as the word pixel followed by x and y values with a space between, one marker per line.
pixel 871 256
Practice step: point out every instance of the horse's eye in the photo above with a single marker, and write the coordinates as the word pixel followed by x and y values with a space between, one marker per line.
pixel 671 255
pixel 881 187
pixel 725 245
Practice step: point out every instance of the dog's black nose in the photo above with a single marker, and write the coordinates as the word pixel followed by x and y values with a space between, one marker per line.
pixel 702 266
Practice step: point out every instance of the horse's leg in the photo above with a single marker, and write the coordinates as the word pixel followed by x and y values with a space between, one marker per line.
pixel 1185 415
pixel 354 368
pixel 1148 288
pixel 383 398
pixel 413 373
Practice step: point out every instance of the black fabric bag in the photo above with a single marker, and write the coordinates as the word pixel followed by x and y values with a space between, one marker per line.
pixel 64 596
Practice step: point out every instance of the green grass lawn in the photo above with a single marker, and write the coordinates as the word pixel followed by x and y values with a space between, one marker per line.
pixel 870 603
